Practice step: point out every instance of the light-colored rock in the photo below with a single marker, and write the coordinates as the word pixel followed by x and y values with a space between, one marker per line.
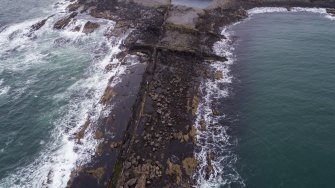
pixel 184 16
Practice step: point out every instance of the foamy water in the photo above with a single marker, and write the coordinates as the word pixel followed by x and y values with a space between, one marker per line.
pixel 261 10
pixel 3 88
pixel 215 139
pixel 60 154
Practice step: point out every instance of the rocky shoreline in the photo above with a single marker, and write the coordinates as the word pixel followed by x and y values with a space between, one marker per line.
pixel 148 139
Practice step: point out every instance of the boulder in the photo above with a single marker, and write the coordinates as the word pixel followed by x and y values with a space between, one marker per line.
pixel 189 165
pixel 153 3
pixel 98 135
pixel 37 25
pixel 218 75
pixel 331 11
pixel 131 182
pixel 62 23
pixel 89 27
pixel 97 173
pixel 73 7
pixel 174 170
pixel 202 125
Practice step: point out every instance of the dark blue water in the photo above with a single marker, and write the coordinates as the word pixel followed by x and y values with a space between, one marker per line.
pixel 285 66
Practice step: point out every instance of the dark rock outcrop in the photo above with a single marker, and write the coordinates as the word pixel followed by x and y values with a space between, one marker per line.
pixel 154 137
pixel 38 25
pixel 331 11
pixel 89 27
pixel 62 23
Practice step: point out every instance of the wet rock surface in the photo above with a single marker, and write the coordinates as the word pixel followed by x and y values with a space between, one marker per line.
pixel 62 23
pixel 89 27
pixel 38 25
pixel 158 145
pixel 74 6
pixel 331 11
pixel 149 137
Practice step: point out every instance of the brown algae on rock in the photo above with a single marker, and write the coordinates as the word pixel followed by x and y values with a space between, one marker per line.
pixel 97 173
pixel 174 170
pixel 108 95
pixel 190 164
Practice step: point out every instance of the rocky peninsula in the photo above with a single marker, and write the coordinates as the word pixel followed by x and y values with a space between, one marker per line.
pixel 148 140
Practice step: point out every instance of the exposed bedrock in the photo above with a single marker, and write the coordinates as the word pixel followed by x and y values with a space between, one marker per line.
pixel 62 23
pixel 148 139
pixel 89 27
pixel 331 11
pixel 156 148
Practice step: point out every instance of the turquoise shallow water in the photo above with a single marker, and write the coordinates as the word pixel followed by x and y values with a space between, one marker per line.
pixel 285 71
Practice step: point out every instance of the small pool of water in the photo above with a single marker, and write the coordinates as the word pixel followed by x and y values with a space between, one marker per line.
pixel 193 3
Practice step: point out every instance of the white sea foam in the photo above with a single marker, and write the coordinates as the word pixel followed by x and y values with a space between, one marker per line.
pixel 55 164
pixel 215 140
pixel 3 88
pixel 330 17
pixel 261 10
pixel 313 10
pixel 62 154
pixel 15 35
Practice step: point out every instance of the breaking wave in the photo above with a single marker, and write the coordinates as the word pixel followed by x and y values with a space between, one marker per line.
pixel 61 154
pixel 3 88
pixel 261 10
pixel 215 151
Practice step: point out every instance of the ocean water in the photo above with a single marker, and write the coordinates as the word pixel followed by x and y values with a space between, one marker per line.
pixel 269 119
pixel 193 3
pixel 51 82
pixel 276 95
pixel 285 99
pixel 20 10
